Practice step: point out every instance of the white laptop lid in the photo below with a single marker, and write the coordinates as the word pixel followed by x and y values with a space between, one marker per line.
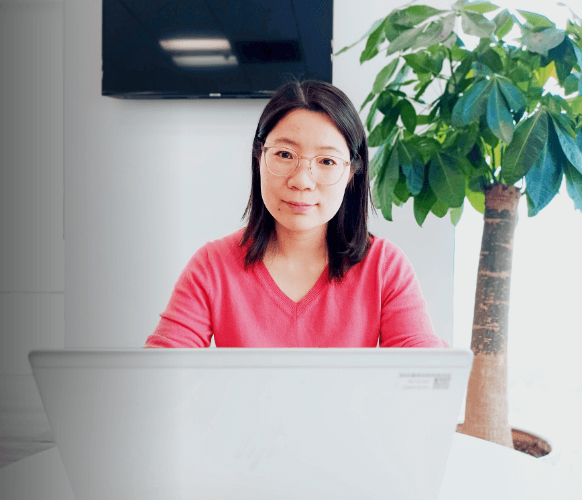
pixel 300 424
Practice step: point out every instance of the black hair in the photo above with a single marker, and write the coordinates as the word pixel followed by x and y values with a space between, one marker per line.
pixel 348 239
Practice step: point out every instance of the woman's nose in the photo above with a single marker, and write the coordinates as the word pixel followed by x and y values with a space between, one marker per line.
pixel 301 178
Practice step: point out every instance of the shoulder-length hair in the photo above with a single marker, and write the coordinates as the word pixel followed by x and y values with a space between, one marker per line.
pixel 348 239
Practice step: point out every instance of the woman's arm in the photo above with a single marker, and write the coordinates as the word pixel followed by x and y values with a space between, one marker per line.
pixel 186 322
pixel 404 319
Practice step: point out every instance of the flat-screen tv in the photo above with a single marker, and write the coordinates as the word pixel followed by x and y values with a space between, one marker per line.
pixel 180 49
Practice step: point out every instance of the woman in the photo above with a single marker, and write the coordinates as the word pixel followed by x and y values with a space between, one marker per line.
pixel 305 272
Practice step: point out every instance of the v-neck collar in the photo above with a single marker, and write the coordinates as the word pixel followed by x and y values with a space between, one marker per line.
pixel 288 305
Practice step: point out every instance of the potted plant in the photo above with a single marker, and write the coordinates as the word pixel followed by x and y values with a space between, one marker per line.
pixel 453 123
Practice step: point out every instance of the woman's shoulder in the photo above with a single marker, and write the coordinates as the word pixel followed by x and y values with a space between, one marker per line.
pixel 228 242
pixel 387 265
pixel 223 250
pixel 382 249
pixel 225 247
pixel 385 258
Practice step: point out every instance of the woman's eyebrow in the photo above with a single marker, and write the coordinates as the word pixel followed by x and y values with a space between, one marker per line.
pixel 285 140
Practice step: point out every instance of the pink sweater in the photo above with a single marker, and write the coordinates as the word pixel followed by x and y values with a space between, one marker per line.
pixel 378 301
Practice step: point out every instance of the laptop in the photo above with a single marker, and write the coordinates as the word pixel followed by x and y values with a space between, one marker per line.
pixel 221 424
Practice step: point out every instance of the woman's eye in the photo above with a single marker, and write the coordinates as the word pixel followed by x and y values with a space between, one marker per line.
pixel 328 162
pixel 286 155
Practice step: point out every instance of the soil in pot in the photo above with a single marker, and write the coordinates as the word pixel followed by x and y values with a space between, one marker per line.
pixel 526 443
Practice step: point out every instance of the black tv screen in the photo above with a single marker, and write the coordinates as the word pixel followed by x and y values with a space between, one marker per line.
pixel 171 49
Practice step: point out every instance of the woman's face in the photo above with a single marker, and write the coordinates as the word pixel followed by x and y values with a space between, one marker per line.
pixel 298 203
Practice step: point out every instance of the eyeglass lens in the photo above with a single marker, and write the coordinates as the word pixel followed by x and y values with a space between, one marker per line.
pixel 325 169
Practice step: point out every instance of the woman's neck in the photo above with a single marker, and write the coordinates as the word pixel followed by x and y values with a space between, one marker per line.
pixel 307 248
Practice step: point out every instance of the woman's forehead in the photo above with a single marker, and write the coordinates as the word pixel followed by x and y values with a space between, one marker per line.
pixel 302 128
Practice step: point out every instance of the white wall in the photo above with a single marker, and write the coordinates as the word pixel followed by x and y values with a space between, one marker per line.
pixel 145 184
pixel 32 248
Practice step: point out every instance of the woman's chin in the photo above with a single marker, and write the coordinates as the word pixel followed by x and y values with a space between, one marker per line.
pixel 300 225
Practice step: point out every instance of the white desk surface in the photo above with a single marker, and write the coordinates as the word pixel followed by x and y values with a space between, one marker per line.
pixel 476 470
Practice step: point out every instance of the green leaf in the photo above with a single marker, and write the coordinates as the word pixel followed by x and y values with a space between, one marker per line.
pixel 412 167
pixel 536 20
pixel 404 41
pixel 378 135
pixel 520 74
pixel 423 204
pixel 385 203
pixel 512 94
pixel 504 21
pixel 488 136
pixel 569 146
pixel 472 104
pixel 564 122
pixel 574 185
pixel 543 180
pixel 559 103
pixel 379 23
pixel 446 179
pixel 426 146
pixel 440 209
pixel 542 41
pixel 391 118
pixel 523 151
pixel 576 105
pixel 385 101
pixel 401 191
pixel 477 199
pixel 464 68
pixel 477 25
pixel 437 32
pixel 374 40
pixel 370 120
pixel 420 92
pixel 571 84
pixel 499 118
pixel 480 7
pixel 423 62
pixel 375 194
pixel 400 77
pixel 393 31
pixel 383 77
pixel 451 140
pixel 477 182
pixel 408 115
pixel 456 215
pixel 384 184
pixel 413 15
pixel 451 42
pixel 467 140
pixel 371 96
pixel 564 59
pixel 491 59
pixel 578 54
pixel 380 157
pixel 390 172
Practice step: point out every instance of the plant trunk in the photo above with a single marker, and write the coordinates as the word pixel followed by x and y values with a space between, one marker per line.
pixel 486 409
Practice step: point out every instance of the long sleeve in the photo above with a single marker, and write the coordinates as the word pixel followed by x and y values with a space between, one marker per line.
pixel 186 322
pixel 404 320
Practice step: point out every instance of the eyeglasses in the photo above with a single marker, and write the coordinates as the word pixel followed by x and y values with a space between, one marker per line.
pixel 282 162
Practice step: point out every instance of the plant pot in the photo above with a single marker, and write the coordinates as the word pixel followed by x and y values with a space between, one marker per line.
pixel 532 444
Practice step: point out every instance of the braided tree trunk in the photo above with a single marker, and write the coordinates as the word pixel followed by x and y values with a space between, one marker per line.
pixel 486 408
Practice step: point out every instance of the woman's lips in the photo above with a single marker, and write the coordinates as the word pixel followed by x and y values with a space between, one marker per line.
pixel 298 207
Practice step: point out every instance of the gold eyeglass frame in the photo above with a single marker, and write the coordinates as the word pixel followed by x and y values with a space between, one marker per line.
pixel 346 163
